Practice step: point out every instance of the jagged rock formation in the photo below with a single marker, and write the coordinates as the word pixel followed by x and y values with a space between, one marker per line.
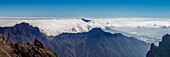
pixel 163 50
pixel 14 49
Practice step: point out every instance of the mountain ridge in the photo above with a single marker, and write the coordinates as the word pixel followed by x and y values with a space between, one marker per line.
pixel 95 43
pixel 99 43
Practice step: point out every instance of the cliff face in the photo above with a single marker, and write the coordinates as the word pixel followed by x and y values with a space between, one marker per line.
pixel 163 50
pixel 37 49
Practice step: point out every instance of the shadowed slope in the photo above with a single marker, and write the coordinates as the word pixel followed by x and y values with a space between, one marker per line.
pixel 97 43
pixel 163 50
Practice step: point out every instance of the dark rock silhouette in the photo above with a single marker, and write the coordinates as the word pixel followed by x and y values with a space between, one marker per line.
pixel 163 50
pixel 85 20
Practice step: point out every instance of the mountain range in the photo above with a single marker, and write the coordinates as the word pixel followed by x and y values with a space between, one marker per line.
pixel 97 43
pixel 94 43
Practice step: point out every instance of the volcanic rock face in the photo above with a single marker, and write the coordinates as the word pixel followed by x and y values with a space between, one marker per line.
pixel 24 50
pixel 163 50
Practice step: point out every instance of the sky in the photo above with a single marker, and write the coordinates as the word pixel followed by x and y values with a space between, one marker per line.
pixel 85 8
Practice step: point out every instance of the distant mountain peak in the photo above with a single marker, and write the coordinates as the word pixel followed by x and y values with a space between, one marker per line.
pixel 96 30
pixel 85 20
pixel 100 31
pixel 23 24
pixel 26 25
pixel 22 32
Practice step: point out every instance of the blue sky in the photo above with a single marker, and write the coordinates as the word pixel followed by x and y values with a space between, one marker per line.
pixel 85 8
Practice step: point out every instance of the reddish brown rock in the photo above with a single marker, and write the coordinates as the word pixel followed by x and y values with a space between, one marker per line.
pixel 37 49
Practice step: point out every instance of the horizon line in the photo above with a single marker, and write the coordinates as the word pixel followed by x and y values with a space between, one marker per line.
pixel 76 17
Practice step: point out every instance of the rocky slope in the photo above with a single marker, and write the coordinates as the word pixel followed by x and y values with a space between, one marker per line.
pixel 163 50
pixel 37 49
